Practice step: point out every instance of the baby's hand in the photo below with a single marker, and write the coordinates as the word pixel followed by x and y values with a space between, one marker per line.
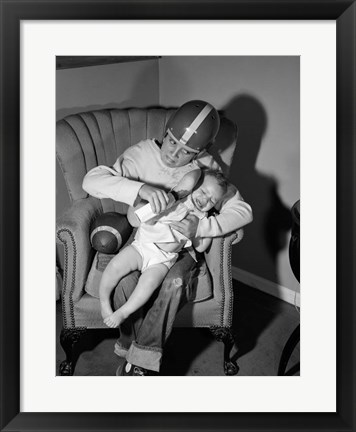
pixel 188 226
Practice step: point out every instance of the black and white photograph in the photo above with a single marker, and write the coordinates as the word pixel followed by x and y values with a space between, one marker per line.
pixel 178 215
pixel 155 161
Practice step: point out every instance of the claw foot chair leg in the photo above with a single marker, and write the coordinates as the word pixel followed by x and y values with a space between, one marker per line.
pixel 68 338
pixel 225 335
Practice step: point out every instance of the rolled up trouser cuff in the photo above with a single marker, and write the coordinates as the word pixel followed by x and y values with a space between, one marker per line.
pixel 119 350
pixel 145 357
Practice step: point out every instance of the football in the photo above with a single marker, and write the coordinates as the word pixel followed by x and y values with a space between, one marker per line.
pixel 109 232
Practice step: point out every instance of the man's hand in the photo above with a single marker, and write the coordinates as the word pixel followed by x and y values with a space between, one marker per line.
pixel 158 198
pixel 188 226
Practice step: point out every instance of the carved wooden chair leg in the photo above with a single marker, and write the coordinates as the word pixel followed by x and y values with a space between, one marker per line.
pixel 68 338
pixel 225 335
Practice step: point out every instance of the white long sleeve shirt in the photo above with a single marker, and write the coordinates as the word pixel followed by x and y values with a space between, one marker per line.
pixel 142 164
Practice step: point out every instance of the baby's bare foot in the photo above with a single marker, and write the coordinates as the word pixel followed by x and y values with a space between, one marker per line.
pixel 106 310
pixel 115 319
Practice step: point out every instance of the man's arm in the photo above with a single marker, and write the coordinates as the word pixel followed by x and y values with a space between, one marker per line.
pixel 118 182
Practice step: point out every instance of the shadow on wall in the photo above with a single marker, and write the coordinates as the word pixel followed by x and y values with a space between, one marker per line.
pixel 267 234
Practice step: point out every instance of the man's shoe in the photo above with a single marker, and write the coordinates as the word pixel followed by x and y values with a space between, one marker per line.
pixel 128 369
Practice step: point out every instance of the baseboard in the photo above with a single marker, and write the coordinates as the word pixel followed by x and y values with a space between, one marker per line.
pixel 268 287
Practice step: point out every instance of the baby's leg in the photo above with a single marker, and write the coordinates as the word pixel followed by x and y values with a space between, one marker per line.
pixel 122 264
pixel 149 281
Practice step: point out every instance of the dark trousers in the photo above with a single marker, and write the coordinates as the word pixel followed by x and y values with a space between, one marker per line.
pixel 144 334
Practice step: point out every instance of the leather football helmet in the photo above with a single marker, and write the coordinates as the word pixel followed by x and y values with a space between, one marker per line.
pixel 194 125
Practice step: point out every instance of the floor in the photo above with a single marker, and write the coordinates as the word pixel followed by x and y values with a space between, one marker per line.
pixel 262 326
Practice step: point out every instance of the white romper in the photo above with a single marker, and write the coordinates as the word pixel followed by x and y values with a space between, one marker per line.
pixel 148 235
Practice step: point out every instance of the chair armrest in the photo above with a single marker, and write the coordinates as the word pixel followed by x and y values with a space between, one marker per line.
pixel 218 260
pixel 73 233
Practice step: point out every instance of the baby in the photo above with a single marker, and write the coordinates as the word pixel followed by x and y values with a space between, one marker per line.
pixel 156 245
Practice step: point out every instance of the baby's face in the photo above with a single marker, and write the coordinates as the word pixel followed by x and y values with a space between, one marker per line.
pixel 208 194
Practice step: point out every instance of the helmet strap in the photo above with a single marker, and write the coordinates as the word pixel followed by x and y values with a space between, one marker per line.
pixel 186 147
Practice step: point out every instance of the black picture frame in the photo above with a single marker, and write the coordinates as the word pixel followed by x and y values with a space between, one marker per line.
pixel 12 12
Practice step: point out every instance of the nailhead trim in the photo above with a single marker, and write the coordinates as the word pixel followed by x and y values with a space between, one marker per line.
pixel 65 280
pixel 227 284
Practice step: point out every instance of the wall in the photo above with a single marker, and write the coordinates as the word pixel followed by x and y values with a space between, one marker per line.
pixel 121 85
pixel 261 94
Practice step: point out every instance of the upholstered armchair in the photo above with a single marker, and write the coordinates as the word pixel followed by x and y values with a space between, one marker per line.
pixel 93 138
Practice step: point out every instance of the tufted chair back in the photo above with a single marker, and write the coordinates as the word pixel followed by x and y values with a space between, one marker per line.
pixel 89 139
